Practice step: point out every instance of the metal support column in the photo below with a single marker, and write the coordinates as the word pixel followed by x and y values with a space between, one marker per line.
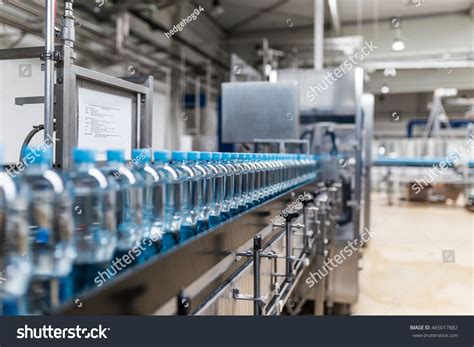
pixel 318 34
pixel 48 55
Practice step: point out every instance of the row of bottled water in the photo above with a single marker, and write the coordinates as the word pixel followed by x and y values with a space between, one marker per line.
pixel 61 234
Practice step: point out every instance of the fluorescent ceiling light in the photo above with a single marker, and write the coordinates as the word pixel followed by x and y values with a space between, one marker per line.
pixel 385 89
pixel 217 8
pixel 398 44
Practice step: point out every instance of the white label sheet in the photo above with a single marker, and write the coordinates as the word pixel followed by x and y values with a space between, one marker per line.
pixel 105 122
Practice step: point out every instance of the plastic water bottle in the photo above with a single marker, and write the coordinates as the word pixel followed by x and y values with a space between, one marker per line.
pixel 15 264
pixel 264 176
pixel 245 169
pixel 127 188
pixel 220 161
pixel 51 231
pixel 237 196
pixel 152 202
pixel 277 174
pixel 183 195
pixel 170 203
pixel 95 234
pixel 215 217
pixel 205 161
pixel 257 191
pixel 229 204
pixel 200 210
pixel 250 182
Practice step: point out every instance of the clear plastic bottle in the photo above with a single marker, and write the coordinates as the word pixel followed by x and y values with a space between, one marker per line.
pixel 169 203
pixel 153 216
pixel 15 264
pixel 216 217
pixel 286 172
pixel 250 184
pixel 237 199
pixel 245 182
pixel 95 230
pixel 198 189
pixel 265 163
pixel 278 173
pixel 127 188
pixel 258 164
pixel 205 161
pixel 51 231
pixel 183 194
pixel 221 184
pixel 228 201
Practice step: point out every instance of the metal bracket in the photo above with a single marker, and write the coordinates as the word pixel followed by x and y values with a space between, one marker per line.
pixel 239 255
pixel 29 100
pixel 54 55
pixel 261 301
pixel 298 226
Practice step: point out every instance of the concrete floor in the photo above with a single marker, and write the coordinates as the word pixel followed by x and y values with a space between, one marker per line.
pixel 405 271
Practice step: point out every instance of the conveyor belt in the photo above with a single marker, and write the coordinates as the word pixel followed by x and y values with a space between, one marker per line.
pixel 410 162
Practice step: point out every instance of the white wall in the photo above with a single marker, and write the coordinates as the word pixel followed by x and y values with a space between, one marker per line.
pixel 17 121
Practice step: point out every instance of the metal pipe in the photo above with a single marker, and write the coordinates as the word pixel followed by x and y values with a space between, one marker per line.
pixel 320 290
pixel 49 70
pixel 257 248
pixel 68 32
pixel 318 34
pixel 288 248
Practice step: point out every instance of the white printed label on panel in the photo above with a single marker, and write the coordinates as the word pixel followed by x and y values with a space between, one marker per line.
pixel 105 122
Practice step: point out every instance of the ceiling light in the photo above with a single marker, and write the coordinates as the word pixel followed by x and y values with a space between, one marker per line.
pixel 398 44
pixel 385 89
pixel 390 71
pixel 217 8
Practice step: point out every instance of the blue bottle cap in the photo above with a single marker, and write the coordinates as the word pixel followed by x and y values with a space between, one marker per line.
pixel 194 156
pixel 37 155
pixel 235 156
pixel 206 156
pixel 115 155
pixel 216 156
pixel 141 155
pixel 162 156
pixel 178 155
pixel 83 155
pixel 226 156
pixel 42 235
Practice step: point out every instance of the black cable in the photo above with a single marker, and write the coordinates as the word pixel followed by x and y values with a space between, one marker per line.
pixel 332 135
pixel 309 132
pixel 36 129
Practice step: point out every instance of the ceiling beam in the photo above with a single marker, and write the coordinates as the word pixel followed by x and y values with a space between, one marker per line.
pixel 257 15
